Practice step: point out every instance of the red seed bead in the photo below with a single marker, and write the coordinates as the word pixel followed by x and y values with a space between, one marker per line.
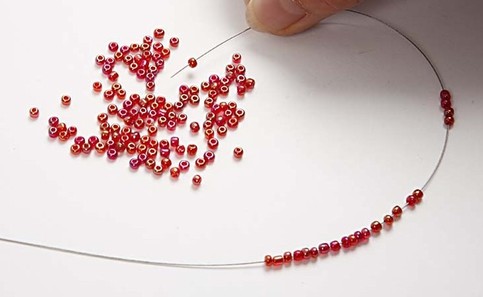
pixel 107 69
pixel 449 121
pixel 174 41
pixel 192 150
pixel 335 246
pixel 418 194
pixel 195 127
pixel 200 163
pixel 345 242
pixel 150 164
pixel 314 252
pixel 268 260
pixel 97 87
pixel 388 220
pixel 174 141
pixel 86 148
pixel 236 58
pixel 112 109
pixel 222 130
pixel 449 112
pixel 182 118
pixel 324 248
pixel 180 150
pixel 411 200
pixel 174 172
pixel 101 147
pixel 79 140
pixel 158 33
pixel 209 157
pixel 113 46
pixel 306 252
pixel 171 125
pixel 158 170
pixel 238 152
pixel 53 132
pixel 64 136
pixel 109 95
pixel 209 133
pixel 376 227
pixel 72 131
pixel 62 127
pixel 100 60
pixel 192 62
pixel 113 76
pixel 112 154
pixel 213 143
pixel 165 52
pixel 240 113
pixel 65 100
pixel 93 140
pixel 166 163
pixel 445 95
pixel 298 255
pixel 75 149
pixel 197 180
pixel 241 90
pixel 353 240
pixel 184 165
pixel 366 234
pixel 358 236
pixel 102 118
pixel 34 112
pixel 250 84
pixel 397 211
pixel 277 261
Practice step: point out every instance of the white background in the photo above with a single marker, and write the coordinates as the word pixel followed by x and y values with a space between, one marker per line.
pixel 343 124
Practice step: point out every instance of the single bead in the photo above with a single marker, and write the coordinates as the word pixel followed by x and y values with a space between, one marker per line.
pixel 102 117
pixel 109 95
pixel 34 112
pixel 174 41
pixel 314 252
pixel 100 60
pixel 197 180
pixel 207 124
pixel 165 52
pixel 287 257
pixel 240 113
pixel 324 248
pixel 418 194
pixel 121 94
pixel 268 260
pixel 449 112
pixel 62 127
pixel 174 172
pixel 72 131
pixel 64 136
pixel 278 261
pixel 397 211
pixel 93 140
pixel 376 227
pixel 449 121
pixel 411 200
pixel 195 127
pixel 200 163
pixel 131 148
pixel 113 47
pixel 107 69
pixel 182 118
pixel 358 235
pixel 298 255
pixel 209 156
pixel 180 150
pixel 158 170
pixel 152 130
pixel 184 165
pixel 158 33
pixel 222 130
pixel 445 95
pixel 174 141
pixel 165 153
pixel 335 246
pixel 241 90
pixel 113 76
pixel 209 133
pixel 345 242
pixel 250 84
pixel 233 123
pixel 101 147
pixel 86 148
pixel 54 121
pixel 112 109
pixel 238 152
pixel 192 62
pixel 192 149
pixel 112 154
pixel 79 140
pixel 366 234
pixel 306 252
pixel 388 220
pixel 213 143
pixel 236 58
pixel 171 125
pixel 75 149
pixel 353 240
pixel 150 164
pixel 166 163
pixel 445 104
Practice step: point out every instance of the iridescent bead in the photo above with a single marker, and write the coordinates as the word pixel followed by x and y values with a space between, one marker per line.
pixel 184 165
pixel 174 172
pixel 34 112
pixel 197 180
pixel 376 227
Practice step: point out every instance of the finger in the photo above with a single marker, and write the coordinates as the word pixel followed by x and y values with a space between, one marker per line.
pixel 287 17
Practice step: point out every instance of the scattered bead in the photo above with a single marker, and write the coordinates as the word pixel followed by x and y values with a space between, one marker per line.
pixel 192 62
pixel 197 180
pixel 238 152
pixel 34 112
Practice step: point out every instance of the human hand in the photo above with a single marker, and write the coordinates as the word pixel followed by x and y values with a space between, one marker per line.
pixel 287 17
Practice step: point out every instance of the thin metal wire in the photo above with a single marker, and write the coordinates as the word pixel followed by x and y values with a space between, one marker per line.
pixel 213 48
pixel 237 264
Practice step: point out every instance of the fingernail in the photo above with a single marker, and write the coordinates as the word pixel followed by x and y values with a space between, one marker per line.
pixel 274 15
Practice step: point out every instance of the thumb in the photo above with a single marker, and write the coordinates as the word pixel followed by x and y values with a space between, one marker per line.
pixel 287 17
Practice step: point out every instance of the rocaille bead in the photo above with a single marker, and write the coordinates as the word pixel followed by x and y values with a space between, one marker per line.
pixel 75 149
pixel 353 240
pixel 174 41
pixel 278 261
pixel 209 156
pixel 236 58
pixel 195 127
pixel 376 227
pixel 166 163
pixel 445 95
pixel 207 124
pixel 449 112
pixel 192 62
pixel 397 211
pixel 112 154
pixel 306 252
pixel 121 94
pixel 93 140
pixel 388 220
pixel 366 234
pixel 72 131
pixel 250 83
pixel 335 246
pixel 86 148
pixel 345 242
pixel 102 117
pixel 100 60
pixel 449 121
pixel 324 248
pixel 113 76
pixel 34 112
pixel 65 100
pixel 314 252
pixel 213 143
pixel 158 33
pixel 64 136
pixel 158 170
pixel 54 121
pixel 109 95
pixel 298 255
pixel 200 163
pixel 62 127
pixel 180 150
pixel 268 260
pixel 134 163
pixel 174 172
pixel 149 164
pixel 197 180
pixel 222 130
pixel 411 200
pixel 174 141
pixel 113 46
pixel 101 147
pixel 184 165
pixel 171 125
pixel 79 140
pixel 418 194
pixel 358 235
pixel 238 152
pixel 209 133
pixel 287 257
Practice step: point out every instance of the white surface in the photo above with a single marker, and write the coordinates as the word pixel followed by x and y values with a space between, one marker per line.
pixel 343 124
